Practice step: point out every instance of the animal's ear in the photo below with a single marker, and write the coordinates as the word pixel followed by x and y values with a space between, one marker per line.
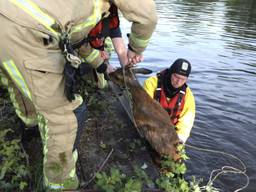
pixel 142 71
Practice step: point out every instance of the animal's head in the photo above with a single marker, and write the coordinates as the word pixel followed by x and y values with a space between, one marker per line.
pixel 126 75
pixel 165 144
pixel 172 152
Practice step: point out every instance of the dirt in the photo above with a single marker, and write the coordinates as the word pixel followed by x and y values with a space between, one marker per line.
pixel 109 131
pixel 108 140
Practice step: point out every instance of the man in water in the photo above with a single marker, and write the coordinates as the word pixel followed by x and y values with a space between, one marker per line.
pixel 169 88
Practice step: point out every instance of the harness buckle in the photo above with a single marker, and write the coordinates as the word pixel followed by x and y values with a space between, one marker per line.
pixel 74 60
pixel 69 53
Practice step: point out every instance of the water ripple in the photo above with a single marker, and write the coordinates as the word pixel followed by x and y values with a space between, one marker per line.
pixel 219 38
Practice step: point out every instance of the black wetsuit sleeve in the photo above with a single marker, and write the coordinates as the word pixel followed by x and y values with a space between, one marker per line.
pixel 115 33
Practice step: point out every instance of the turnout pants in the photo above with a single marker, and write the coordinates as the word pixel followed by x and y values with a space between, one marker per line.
pixel 33 74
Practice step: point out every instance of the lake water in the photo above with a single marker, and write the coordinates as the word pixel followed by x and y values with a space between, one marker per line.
pixel 219 39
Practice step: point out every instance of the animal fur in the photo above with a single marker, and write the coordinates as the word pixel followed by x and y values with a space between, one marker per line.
pixel 150 117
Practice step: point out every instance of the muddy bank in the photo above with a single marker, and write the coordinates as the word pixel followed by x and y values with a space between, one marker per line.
pixel 108 140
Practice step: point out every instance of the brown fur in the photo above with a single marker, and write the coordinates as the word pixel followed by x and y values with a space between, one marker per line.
pixel 150 117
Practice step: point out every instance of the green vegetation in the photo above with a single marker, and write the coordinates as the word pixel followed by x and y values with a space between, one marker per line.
pixel 14 169
pixel 17 175
pixel 171 179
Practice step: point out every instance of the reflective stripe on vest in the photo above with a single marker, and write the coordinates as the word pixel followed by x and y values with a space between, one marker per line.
pixel 139 42
pixel 24 117
pixel 92 20
pixel 94 54
pixel 34 11
pixel 14 73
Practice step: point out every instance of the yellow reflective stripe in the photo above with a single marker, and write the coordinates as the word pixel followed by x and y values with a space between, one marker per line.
pixel 55 186
pixel 79 98
pixel 27 121
pixel 139 42
pixel 43 128
pixel 102 82
pixel 72 173
pixel 33 10
pixel 24 118
pixel 17 77
pixel 92 20
pixel 94 54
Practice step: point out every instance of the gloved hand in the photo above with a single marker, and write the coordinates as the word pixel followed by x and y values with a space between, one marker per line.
pixel 102 68
pixel 105 68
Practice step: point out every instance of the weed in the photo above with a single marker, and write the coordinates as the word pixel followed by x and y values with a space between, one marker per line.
pixel 171 179
pixel 14 171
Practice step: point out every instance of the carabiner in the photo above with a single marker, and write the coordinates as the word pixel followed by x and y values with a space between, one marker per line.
pixel 74 60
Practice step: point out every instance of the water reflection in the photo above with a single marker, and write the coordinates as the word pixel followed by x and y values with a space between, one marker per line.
pixel 219 38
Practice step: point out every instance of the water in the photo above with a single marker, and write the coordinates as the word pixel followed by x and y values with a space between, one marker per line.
pixel 219 39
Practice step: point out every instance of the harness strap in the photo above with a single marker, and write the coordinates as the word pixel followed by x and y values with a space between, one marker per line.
pixel 130 99
pixel 68 51
pixel 182 93
pixel 72 64
pixel 102 34
pixel 159 88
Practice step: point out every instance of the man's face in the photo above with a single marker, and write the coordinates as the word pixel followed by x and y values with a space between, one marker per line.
pixel 178 80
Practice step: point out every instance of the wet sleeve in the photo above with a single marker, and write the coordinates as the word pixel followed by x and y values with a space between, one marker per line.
pixel 91 55
pixel 150 86
pixel 187 117
pixel 142 14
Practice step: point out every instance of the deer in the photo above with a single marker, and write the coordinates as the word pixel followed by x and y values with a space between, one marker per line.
pixel 150 117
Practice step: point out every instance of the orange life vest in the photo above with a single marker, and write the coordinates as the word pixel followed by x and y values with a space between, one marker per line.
pixel 97 35
pixel 174 105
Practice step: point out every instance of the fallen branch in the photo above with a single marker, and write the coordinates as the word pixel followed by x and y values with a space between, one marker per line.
pixel 99 168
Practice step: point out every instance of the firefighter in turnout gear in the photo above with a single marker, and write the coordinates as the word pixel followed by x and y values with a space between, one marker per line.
pixel 169 88
pixel 43 46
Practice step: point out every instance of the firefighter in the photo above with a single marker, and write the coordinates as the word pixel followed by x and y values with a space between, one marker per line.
pixel 169 88
pixel 43 46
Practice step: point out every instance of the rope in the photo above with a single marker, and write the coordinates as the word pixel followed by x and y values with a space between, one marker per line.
pixel 130 100
pixel 224 169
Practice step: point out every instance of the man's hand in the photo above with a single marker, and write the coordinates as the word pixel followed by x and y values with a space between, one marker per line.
pixel 110 68
pixel 105 67
pixel 134 58
pixel 104 55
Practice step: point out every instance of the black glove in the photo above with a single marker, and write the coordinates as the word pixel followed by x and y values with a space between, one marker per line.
pixel 102 68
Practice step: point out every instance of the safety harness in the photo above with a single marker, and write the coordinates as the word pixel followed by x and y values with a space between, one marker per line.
pixel 173 108
pixel 74 66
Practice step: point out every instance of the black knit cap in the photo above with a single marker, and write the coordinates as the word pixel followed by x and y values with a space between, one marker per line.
pixel 181 67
